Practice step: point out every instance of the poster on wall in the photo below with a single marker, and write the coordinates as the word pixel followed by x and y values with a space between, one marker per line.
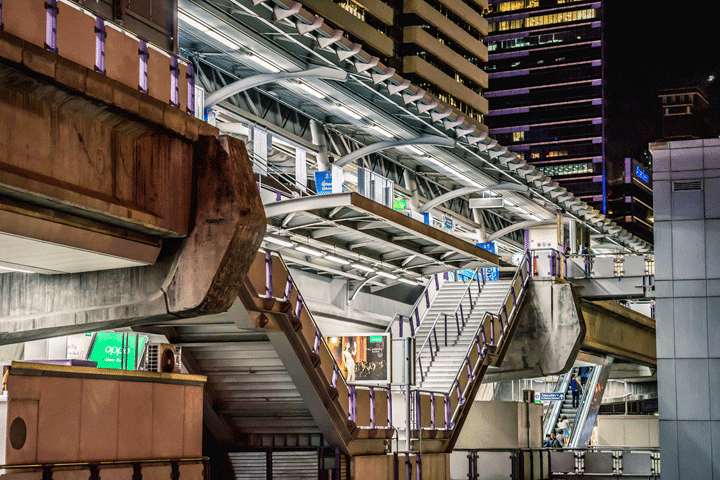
pixel 491 273
pixel 362 358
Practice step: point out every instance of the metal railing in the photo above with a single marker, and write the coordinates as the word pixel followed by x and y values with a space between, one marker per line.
pixel 319 349
pixel 428 295
pixel 553 263
pixel 432 333
pixel 473 360
pixel 481 333
pixel 546 464
pixel 134 467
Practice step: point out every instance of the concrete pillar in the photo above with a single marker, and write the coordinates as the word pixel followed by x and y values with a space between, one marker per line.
pixel 687 248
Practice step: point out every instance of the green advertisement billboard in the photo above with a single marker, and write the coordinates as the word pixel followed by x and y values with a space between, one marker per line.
pixel 108 347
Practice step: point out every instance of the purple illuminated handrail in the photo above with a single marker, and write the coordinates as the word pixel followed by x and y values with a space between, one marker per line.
pixel 100 36
pixel 372 407
pixel 51 12
pixel 389 407
pixel 288 289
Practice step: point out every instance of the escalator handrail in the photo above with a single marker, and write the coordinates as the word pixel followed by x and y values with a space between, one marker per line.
pixel 554 413
pixel 584 407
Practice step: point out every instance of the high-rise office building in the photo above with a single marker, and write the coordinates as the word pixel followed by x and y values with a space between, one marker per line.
pixel 436 44
pixel 545 73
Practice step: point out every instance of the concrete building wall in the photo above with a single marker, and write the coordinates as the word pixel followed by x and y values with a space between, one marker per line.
pixel 687 269
pixel 628 430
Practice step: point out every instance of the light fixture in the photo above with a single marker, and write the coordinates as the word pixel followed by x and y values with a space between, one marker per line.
pixel 310 90
pixel 222 39
pixel 408 281
pixel 309 251
pixel 414 150
pixel 382 131
pixel 360 266
pixel 386 275
pixel 258 60
pixel 348 111
pixel 335 259
pixel 185 18
pixel 279 241
pixel 18 270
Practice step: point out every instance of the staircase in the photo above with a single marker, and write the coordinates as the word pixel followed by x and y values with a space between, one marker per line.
pixel 439 368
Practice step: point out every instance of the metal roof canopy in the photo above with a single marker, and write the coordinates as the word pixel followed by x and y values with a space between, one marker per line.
pixel 358 229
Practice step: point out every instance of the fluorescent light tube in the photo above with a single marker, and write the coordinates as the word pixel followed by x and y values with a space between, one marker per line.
pixel 414 150
pixel 279 241
pixel 15 270
pixel 185 18
pixel 348 111
pixel 310 90
pixel 362 267
pixel 308 250
pixel 263 63
pixel 335 259
pixel 408 281
pixel 382 131
pixel 222 39
pixel 386 275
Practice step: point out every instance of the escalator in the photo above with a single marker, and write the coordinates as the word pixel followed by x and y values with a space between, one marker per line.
pixel 581 419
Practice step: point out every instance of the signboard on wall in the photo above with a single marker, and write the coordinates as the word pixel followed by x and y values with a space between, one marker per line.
pixel 363 358
pixel 323 182
pixel 491 273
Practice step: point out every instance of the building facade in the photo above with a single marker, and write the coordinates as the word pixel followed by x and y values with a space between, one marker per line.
pixel 436 44
pixel 545 74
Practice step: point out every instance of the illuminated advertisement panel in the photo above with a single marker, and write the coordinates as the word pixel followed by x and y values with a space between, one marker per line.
pixel 362 358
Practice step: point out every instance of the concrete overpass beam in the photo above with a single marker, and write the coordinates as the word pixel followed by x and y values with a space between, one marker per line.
pixel 198 275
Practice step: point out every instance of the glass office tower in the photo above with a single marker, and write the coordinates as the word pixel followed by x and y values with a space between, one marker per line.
pixel 545 89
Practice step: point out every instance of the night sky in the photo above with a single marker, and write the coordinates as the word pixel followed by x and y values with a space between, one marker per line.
pixel 662 46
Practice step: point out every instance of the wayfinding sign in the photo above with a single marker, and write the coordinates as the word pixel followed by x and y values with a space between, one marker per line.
pixel 550 397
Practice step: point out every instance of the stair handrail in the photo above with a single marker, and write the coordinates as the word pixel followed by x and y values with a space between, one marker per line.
pixel 480 330
pixel 431 332
pixel 551 419
pixel 427 296
pixel 321 343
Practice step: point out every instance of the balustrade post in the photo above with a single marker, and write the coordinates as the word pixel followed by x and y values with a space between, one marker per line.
pixel 412 326
pixel 448 423
pixel 432 411
pixel 457 322
pixel 422 375
pixel 372 407
pixel 418 416
pixel 437 282
pixel 298 307
pixel 418 469
pixel 288 289
pixel 462 315
pixel 471 377
pixel 507 317
pixel 336 373
pixel 492 330
pixel 400 321
pixel 427 299
pixel 432 352
pixel 445 315
pixel 512 290
pixel 318 339
pixel 437 346
pixel 482 331
pixel 461 399
pixel 389 407
pixel 268 274
pixel 417 317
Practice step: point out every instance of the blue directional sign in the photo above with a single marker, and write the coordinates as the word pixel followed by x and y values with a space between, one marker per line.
pixel 550 397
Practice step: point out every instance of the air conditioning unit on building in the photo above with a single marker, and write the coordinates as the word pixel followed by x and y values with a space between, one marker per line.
pixel 163 357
